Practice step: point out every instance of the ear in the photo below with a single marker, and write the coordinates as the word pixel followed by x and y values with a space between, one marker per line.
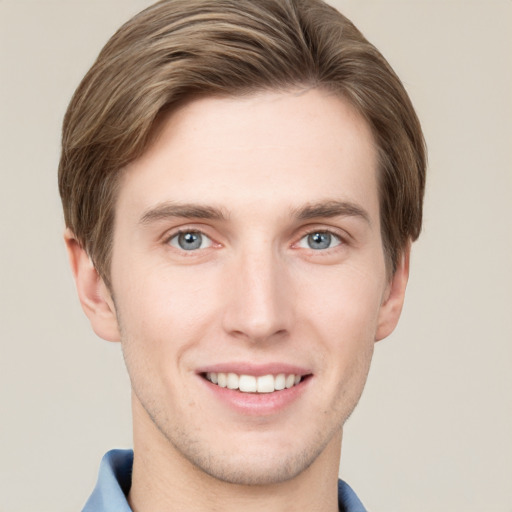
pixel 94 295
pixel 394 295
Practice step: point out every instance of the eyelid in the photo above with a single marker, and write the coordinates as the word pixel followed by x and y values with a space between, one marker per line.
pixel 204 239
pixel 304 240
pixel 191 228
pixel 344 237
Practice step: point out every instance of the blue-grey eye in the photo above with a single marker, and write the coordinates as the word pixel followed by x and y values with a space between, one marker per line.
pixel 190 241
pixel 319 240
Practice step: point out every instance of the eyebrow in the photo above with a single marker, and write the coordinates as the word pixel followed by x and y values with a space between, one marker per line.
pixel 332 208
pixel 324 209
pixel 187 211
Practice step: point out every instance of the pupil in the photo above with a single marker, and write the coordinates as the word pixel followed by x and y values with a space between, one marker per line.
pixel 319 240
pixel 189 241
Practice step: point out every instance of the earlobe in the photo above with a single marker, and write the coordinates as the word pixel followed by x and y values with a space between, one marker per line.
pixel 94 295
pixel 393 300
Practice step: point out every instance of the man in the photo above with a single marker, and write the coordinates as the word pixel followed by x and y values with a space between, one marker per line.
pixel 241 182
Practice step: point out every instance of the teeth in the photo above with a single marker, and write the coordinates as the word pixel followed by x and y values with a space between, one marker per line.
pixel 233 381
pixel 252 384
pixel 247 383
pixel 222 379
pixel 280 382
pixel 265 384
pixel 213 377
pixel 290 381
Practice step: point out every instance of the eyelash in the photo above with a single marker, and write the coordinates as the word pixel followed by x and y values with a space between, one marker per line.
pixel 330 233
pixel 342 240
pixel 182 231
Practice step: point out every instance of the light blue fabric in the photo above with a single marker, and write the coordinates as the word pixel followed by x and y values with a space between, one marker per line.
pixel 347 499
pixel 115 478
pixel 114 481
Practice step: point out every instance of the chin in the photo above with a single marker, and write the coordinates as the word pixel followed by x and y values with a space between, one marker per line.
pixel 248 470
pixel 256 465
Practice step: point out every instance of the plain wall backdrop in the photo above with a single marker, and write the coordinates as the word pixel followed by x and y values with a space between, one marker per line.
pixel 433 431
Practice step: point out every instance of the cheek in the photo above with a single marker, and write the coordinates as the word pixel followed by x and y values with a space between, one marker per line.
pixel 342 316
pixel 161 293
pixel 344 301
pixel 164 311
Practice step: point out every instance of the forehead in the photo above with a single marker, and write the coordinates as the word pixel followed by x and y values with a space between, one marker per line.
pixel 289 148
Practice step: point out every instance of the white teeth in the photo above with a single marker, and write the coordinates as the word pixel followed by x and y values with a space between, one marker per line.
pixel 247 383
pixel 233 381
pixel 266 384
pixel 222 380
pixel 280 382
pixel 212 377
pixel 252 384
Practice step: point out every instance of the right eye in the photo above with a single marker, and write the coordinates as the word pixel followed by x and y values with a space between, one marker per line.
pixel 319 240
pixel 190 241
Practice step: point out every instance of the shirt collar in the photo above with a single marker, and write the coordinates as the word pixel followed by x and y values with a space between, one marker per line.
pixel 114 482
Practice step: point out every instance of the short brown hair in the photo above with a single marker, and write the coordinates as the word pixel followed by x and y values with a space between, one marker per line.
pixel 177 49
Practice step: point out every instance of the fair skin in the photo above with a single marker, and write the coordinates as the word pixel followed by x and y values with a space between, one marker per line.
pixel 247 241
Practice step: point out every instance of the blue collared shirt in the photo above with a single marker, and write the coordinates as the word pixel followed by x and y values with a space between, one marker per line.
pixel 115 478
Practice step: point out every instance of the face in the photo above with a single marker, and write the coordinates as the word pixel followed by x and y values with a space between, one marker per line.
pixel 249 281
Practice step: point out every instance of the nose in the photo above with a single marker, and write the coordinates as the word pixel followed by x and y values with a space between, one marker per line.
pixel 260 298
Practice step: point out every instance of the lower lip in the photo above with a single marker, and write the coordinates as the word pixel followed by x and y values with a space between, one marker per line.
pixel 258 404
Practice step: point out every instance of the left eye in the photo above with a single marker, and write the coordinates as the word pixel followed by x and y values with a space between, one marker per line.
pixel 190 241
pixel 319 240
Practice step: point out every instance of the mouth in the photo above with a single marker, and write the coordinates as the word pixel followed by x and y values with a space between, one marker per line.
pixel 254 384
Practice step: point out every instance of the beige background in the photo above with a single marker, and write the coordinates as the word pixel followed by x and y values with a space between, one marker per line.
pixel 434 429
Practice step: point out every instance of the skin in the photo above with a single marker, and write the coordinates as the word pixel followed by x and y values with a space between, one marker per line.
pixel 254 292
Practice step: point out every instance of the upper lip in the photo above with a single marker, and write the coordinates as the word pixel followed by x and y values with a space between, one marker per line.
pixel 257 370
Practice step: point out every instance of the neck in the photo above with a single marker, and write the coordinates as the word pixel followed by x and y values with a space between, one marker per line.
pixel 164 480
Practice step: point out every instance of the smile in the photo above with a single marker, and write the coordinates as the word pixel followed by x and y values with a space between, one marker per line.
pixel 252 384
